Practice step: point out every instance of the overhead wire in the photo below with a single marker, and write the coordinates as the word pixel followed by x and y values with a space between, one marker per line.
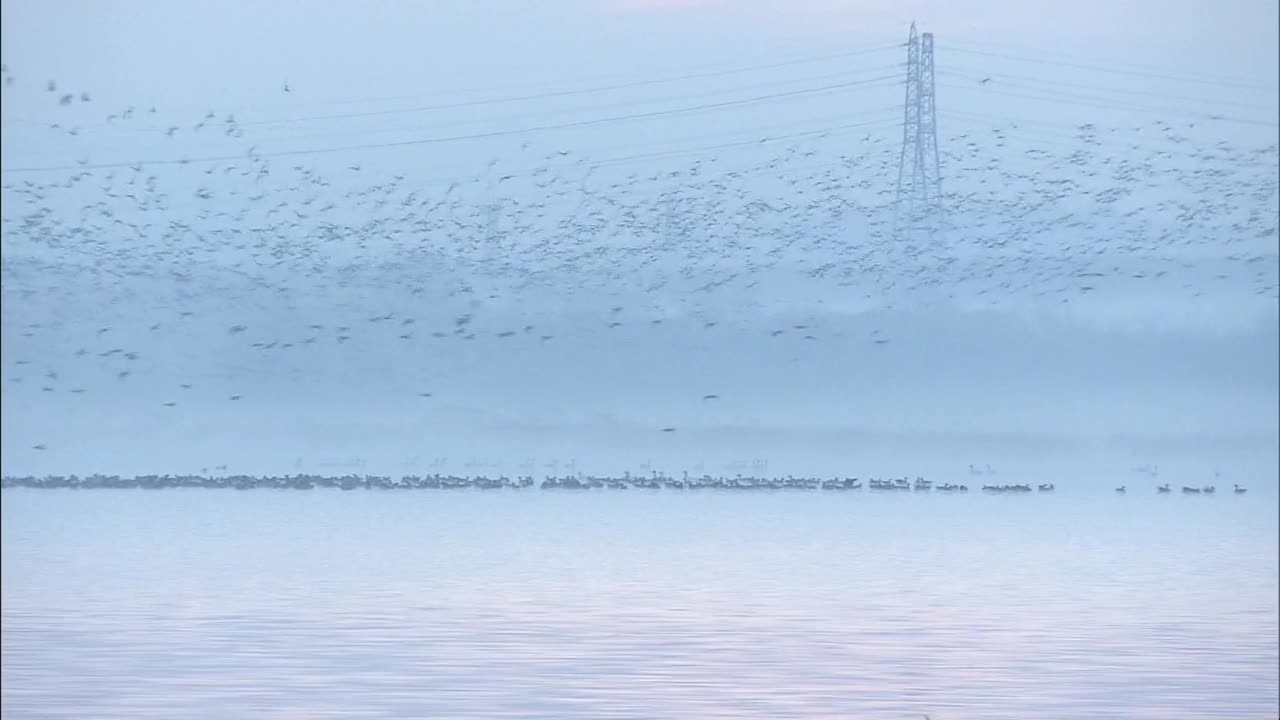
pixel 725 67
pixel 1105 103
pixel 458 138
pixel 770 140
pixel 1097 129
pixel 979 75
pixel 1027 52
pixel 952 47
pixel 558 93
pixel 816 133
pixel 834 130
pixel 886 79
pixel 580 91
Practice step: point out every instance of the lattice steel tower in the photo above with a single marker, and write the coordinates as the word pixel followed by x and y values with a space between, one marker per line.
pixel 919 196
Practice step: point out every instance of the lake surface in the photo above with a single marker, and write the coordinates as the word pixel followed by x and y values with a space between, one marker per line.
pixel 630 604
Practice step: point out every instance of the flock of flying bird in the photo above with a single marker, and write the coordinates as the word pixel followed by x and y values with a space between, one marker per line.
pixel 355 252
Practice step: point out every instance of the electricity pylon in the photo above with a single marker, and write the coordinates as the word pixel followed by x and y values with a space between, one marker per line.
pixel 919 196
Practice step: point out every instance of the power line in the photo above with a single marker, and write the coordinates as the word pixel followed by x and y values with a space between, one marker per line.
pixel 1127 91
pixel 561 93
pixel 1099 68
pixel 1111 66
pixel 819 133
pixel 581 91
pixel 629 103
pixel 1111 104
pixel 458 138
pixel 378 131
pixel 711 70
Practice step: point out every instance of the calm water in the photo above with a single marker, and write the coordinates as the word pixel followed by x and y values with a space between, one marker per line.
pixel 285 604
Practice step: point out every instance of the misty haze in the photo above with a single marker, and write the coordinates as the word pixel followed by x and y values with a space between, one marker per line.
pixel 640 358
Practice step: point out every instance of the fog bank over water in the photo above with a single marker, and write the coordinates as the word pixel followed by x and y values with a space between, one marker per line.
pixel 1046 392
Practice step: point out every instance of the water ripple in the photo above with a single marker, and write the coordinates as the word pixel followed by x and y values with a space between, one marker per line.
pixel 480 606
